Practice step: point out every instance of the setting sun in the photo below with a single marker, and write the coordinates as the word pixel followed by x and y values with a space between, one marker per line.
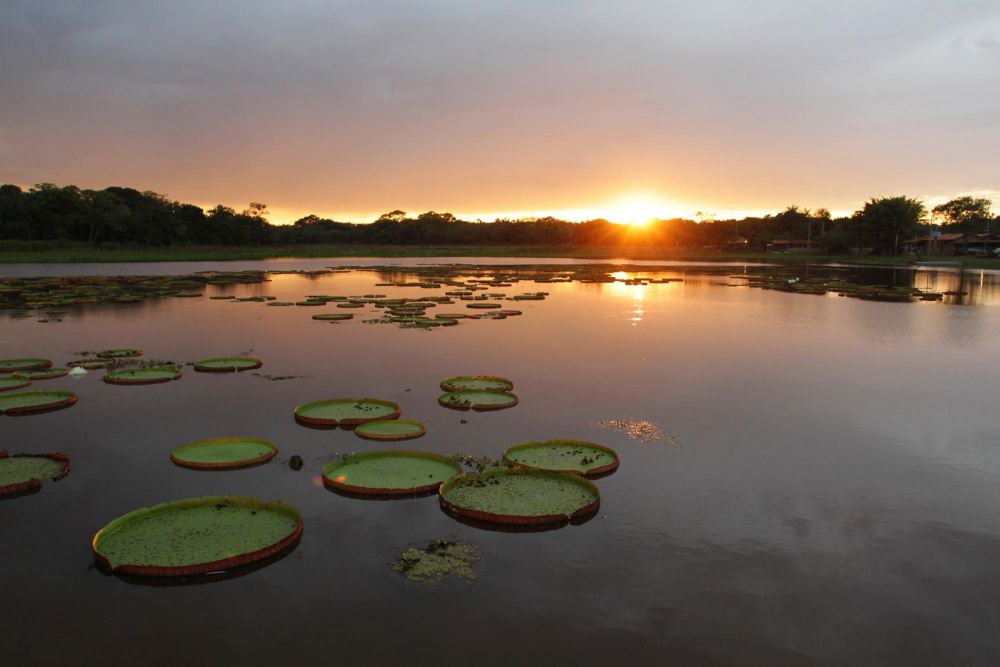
pixel 637 211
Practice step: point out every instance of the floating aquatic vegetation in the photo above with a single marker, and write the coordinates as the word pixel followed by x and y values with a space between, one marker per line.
pixel 196 536
pixel 390 473
pixel 346 412
pixel 123 353
pixel 636 429
pixel 391 429
pixel 476 383
pixel 16 365
pixel 152 375
pixel 574 456
pixel 11 383
pixel 477 462
pixel 483 305
pixel 42 374
pixel 224 453
pixel 478 400
pixel 333 317
pixel 520 496
pixel 437 560
pixel 24 473
pixel 227 364
pixel 29 402
pixel 91 364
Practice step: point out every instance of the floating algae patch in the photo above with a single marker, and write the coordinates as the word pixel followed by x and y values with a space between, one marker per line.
pixel 391 429
pixel 390 472
pixel 15 365
pixel 152 375
pixel 520 496
pixel 11 383
pixel 23 473
pixel 438 560
pixel 333 317
pixel 224 453
pixel 28 402
pixel 196 536
pixel 642 430
pixel 42 374
pixel 227 364
pixel 345 412
pixel 575 456
pixel 122 353
pixel 478 400
pixel 477 383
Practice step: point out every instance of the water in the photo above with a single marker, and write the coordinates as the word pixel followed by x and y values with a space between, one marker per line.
pixel 824 491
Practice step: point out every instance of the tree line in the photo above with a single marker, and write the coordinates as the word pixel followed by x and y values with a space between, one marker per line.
pixel 120 216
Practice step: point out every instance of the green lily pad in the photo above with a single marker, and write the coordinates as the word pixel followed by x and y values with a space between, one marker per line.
pixel 333 317
pixel 477 383
pixel 196 536
pixel 520 496
pixel 26 472
pixel 27 402
pixel 11 383
pixel 14 365
pixel 224 453
pixel 91 363
pixel 43 374
pixel 142 375
pixel 391 429
pixel 482 306
pixel 123 353
pixel 575 456
pixel 227 364
pixel 345 412
pixel 390 472
pixel 478 400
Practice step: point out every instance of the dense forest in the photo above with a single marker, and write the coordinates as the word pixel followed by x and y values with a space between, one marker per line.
pixel 124 217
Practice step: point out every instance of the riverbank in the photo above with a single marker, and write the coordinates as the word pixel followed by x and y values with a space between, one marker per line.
pixel 19 252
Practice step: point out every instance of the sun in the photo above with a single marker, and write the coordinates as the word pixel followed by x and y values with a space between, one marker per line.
pixel 637 211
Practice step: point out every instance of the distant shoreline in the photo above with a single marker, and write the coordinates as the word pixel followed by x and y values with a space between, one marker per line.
pixel 24 252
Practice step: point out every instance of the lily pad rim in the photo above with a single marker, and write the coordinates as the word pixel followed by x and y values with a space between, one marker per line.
pixel 34 483
pixel 67 399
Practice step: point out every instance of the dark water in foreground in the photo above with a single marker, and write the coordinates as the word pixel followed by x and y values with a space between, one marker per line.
pixel 825 491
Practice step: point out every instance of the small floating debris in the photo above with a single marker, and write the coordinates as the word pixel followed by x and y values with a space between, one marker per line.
pixel 636 429
pixel 437 560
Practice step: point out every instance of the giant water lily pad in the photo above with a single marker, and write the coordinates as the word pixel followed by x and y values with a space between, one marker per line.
pixel 575 456
pixel 227 364
pixel 28 402
pixel 11 383
pixel 196 536
pixel 520 496
pixel 345 412
pixel 333 317
pixel 478 400
pixel 41 374
pixel 142 375
pixel 390 472
pixel 391 429
pixel 224 453
pixel 14 365
pixel 122 353
pixel 23 473
pixel 477 383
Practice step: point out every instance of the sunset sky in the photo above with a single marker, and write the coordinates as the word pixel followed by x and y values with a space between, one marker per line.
pixel 576 108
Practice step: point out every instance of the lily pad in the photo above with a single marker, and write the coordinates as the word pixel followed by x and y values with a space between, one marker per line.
pixel 478 400
pixel 477 383
pixel 123 353
pixel 482 306
pixel 227 364
pixel 224 453
pixel 11 383
pixel 24 473
pixel 91 363
pixel 520 496
pixel 575 456
pixel 142 375
pixel 15 365
pixel 196 536
pixel 346 412
pixel 333 317
pixel 391 429
pixel 28 402
pixel 390 473
pixel 42 374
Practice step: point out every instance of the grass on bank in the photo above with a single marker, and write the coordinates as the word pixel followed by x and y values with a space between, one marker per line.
pixel 65 252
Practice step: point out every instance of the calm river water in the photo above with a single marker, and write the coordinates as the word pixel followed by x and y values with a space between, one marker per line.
pixel 805 480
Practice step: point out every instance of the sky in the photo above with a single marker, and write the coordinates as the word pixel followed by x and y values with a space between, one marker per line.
pixel 577 108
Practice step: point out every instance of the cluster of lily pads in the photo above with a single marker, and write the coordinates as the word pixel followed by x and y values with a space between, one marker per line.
pixel 785 282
